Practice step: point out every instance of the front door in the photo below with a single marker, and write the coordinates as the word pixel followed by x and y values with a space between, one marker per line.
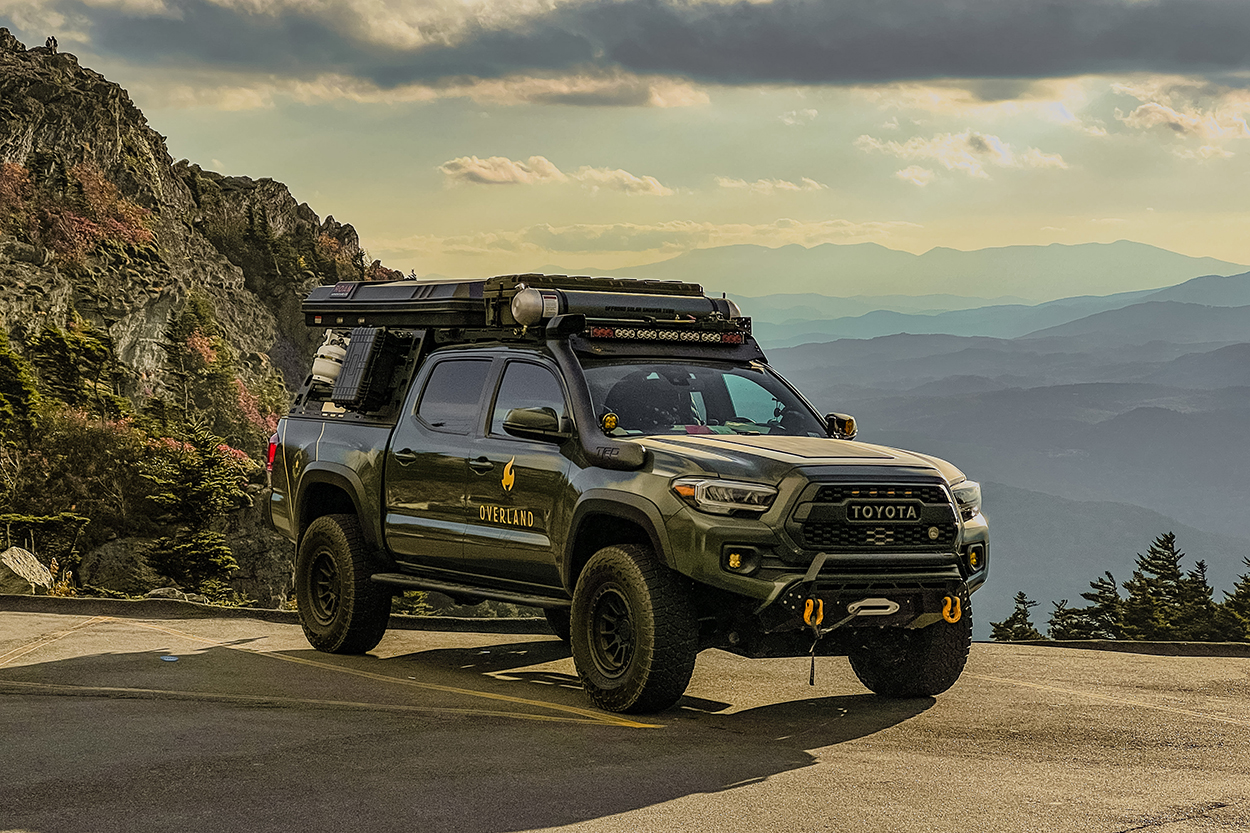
pixel 517 489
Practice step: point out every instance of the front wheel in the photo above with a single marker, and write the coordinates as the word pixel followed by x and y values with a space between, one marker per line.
pixel 634 634
pixel 342 611
pixel 895 662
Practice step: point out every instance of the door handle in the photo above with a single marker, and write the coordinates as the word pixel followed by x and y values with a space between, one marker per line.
pixel 406 456
pixel 481 465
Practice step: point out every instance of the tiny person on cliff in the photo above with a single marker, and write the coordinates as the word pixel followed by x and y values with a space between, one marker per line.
pixel 51 44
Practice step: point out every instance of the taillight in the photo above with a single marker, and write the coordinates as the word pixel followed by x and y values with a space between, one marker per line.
pixel 273 450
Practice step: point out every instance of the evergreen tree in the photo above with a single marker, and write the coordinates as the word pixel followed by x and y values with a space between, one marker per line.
pixel 1233 614
pixel 1017 626
pixel 18 394
pixel 195 481
pixel 1105 614
pixel 1067 622
pixel 78 366
pixel 1154 592
pixel 1193 619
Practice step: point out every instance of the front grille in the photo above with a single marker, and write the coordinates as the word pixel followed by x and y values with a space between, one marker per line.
pixel 830 519
pixel 840 492
pixel 832 535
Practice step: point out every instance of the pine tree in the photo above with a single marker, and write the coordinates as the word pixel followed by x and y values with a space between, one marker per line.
pixel 18 395
pixel 1233 614
pixel 1154 592
pixel 1193 618
pixel 1107 611
pixel 1067 622
pixel 1017 626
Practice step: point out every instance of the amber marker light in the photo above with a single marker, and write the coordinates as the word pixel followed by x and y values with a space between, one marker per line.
pixel 686 490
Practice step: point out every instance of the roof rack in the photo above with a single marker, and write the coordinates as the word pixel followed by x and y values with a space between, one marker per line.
pixel 524 301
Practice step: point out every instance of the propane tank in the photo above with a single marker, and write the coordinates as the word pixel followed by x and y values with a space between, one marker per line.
pixel 328 363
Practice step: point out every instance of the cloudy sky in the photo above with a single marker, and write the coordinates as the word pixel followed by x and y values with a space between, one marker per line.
pixel 470 137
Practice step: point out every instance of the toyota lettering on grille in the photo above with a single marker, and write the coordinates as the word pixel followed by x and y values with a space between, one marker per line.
pixel 877 512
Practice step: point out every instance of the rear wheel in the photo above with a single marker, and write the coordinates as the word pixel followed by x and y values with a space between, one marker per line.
pixel 896 662
pixel 634 634
pixel 342 611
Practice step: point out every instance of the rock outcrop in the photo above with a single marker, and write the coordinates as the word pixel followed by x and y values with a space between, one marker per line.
pixel 71 141
pixel 248 245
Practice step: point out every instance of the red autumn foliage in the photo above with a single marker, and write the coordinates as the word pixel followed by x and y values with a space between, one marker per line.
pixel 73 224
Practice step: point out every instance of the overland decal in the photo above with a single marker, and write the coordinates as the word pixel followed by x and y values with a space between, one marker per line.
pixel 506 515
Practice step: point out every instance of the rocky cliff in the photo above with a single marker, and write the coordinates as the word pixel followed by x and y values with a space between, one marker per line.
pixel 98 223
pixel 248 245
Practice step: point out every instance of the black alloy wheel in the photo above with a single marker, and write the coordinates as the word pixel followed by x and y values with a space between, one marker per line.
pixel 341 609
pixel 634 635
pixel 612 632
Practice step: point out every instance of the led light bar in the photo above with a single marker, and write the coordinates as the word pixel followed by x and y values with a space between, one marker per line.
pixel 657 334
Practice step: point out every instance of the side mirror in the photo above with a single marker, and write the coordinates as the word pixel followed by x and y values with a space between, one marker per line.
pixel 841 426
pixel 541 424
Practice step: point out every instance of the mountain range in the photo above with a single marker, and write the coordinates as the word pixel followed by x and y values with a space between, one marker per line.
pixel 1122 419
pixel 1035 273
pixel 780 322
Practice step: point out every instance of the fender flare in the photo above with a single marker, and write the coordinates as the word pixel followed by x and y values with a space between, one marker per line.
pixel 623 505
pixel 336 474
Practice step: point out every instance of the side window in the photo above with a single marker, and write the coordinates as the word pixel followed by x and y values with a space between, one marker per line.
pixel 526 385
pixel 452 393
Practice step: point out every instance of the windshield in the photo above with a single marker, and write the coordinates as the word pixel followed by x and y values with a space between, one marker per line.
pixel 689 398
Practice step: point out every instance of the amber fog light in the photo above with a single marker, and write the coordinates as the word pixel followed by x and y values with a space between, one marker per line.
pixel 740 560
pixel 975 557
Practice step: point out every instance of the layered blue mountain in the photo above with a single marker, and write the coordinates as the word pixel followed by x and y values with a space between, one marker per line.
pixel 1037 273
pixel 1094 435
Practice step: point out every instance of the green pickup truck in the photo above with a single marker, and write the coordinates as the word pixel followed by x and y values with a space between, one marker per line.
pixel 619 454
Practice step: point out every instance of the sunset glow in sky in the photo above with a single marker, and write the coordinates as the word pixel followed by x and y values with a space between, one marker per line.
pixel 471 138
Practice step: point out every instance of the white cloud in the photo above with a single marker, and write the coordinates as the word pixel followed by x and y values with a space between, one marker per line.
pixel 499 170
pixel 916 175
pixel 771 186
pixel 538 170
pixel 969 151
pixel 618 180
pixel 1188 121
pixel 796 117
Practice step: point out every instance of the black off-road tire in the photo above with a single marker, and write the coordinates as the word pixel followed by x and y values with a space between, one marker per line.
pixel 342 611
pixel 896 662
pixel 634 633
pixel 558 619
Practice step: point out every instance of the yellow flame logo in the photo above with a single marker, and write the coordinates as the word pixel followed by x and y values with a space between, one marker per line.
pixel 508 476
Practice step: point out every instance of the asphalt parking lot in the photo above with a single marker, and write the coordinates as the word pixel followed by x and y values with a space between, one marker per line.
pixel 130 724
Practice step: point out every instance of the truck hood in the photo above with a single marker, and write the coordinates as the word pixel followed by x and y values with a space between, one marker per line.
pixel 764 457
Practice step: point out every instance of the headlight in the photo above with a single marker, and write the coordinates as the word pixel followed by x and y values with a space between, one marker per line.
pixel 724 497
pixel 968 496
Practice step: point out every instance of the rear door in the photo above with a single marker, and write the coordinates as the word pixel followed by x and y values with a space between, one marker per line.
pixel 518 490
pixel 426 467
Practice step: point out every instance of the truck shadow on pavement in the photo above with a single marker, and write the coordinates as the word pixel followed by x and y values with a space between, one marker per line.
pixel 444 739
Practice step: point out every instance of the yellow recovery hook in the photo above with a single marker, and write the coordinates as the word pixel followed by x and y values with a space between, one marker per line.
pixel 951 610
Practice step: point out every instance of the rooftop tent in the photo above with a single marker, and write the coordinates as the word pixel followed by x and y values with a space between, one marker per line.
pixel 508 301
